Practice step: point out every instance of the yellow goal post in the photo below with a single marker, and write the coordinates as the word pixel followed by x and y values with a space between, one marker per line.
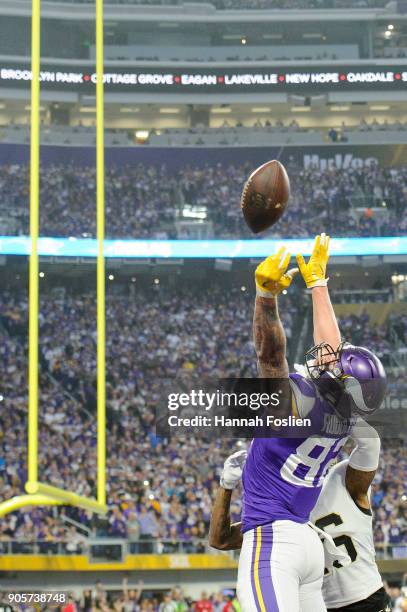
pixel 38 493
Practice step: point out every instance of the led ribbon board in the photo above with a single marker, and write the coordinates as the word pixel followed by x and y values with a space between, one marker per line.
pixel 86 247
pixel 387 74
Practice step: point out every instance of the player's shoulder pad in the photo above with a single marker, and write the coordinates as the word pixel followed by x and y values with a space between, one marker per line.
pixel 338 471
pixel 304 385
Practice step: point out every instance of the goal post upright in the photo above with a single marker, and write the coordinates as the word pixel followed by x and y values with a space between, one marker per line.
pixel 38 493
pixel 33 299
pixel 100 272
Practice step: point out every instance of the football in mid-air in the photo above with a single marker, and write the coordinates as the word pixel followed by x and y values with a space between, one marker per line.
pixel 265 196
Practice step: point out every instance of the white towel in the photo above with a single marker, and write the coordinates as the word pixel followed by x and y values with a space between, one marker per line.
pixel 331 551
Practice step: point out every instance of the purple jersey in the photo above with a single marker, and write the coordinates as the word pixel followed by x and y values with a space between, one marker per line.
pixel 283 477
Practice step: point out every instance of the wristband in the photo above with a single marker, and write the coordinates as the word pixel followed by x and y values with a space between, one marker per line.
pixel 323 282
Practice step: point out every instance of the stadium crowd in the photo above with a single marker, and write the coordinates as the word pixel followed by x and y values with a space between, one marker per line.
pixel 315 194
pixel 142 600
pixel 363 333
pixel 147 201
pixel 159 490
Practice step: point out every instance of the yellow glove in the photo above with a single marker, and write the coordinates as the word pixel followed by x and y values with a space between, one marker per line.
pixel 314 271
pixel 271 276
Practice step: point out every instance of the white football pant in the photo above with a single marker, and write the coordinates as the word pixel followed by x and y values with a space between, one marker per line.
pixel 281 568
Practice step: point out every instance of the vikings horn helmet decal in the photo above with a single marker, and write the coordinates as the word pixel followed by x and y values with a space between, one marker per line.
pixel 352 378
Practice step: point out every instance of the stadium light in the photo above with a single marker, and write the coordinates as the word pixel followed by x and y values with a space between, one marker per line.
pixel 170 111
pixel 28 108
pixel 220 110
pixel 272 36
pixel 194 212
pixel 142 134
pixel 232 36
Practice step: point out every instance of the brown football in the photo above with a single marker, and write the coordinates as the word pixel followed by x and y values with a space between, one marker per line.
pixel 265 196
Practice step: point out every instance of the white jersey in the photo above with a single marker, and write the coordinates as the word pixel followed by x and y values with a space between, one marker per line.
pixel 351 527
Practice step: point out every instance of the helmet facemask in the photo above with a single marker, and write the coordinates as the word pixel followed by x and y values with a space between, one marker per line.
pixel 322 358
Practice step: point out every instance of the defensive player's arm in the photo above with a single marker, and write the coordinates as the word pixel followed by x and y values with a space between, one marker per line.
pixel 363 463
pixel 314 273
pixel 222 534
pixel 268 333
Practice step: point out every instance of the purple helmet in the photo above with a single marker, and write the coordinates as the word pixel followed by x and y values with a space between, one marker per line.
pixel 352 378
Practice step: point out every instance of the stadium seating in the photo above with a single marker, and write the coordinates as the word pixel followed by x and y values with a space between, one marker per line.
pixel 153 201
pixel 232 132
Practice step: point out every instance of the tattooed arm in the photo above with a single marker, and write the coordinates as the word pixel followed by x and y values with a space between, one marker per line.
pixel 271 278
pixel 269 339
pixel 223 535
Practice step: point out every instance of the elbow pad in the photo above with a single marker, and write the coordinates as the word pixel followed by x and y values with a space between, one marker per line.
pixel 365 456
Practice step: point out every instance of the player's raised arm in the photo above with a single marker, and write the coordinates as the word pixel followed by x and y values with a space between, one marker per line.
pixel 326 328
pixel 363 462
pixel 268 333
pixel 223 535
